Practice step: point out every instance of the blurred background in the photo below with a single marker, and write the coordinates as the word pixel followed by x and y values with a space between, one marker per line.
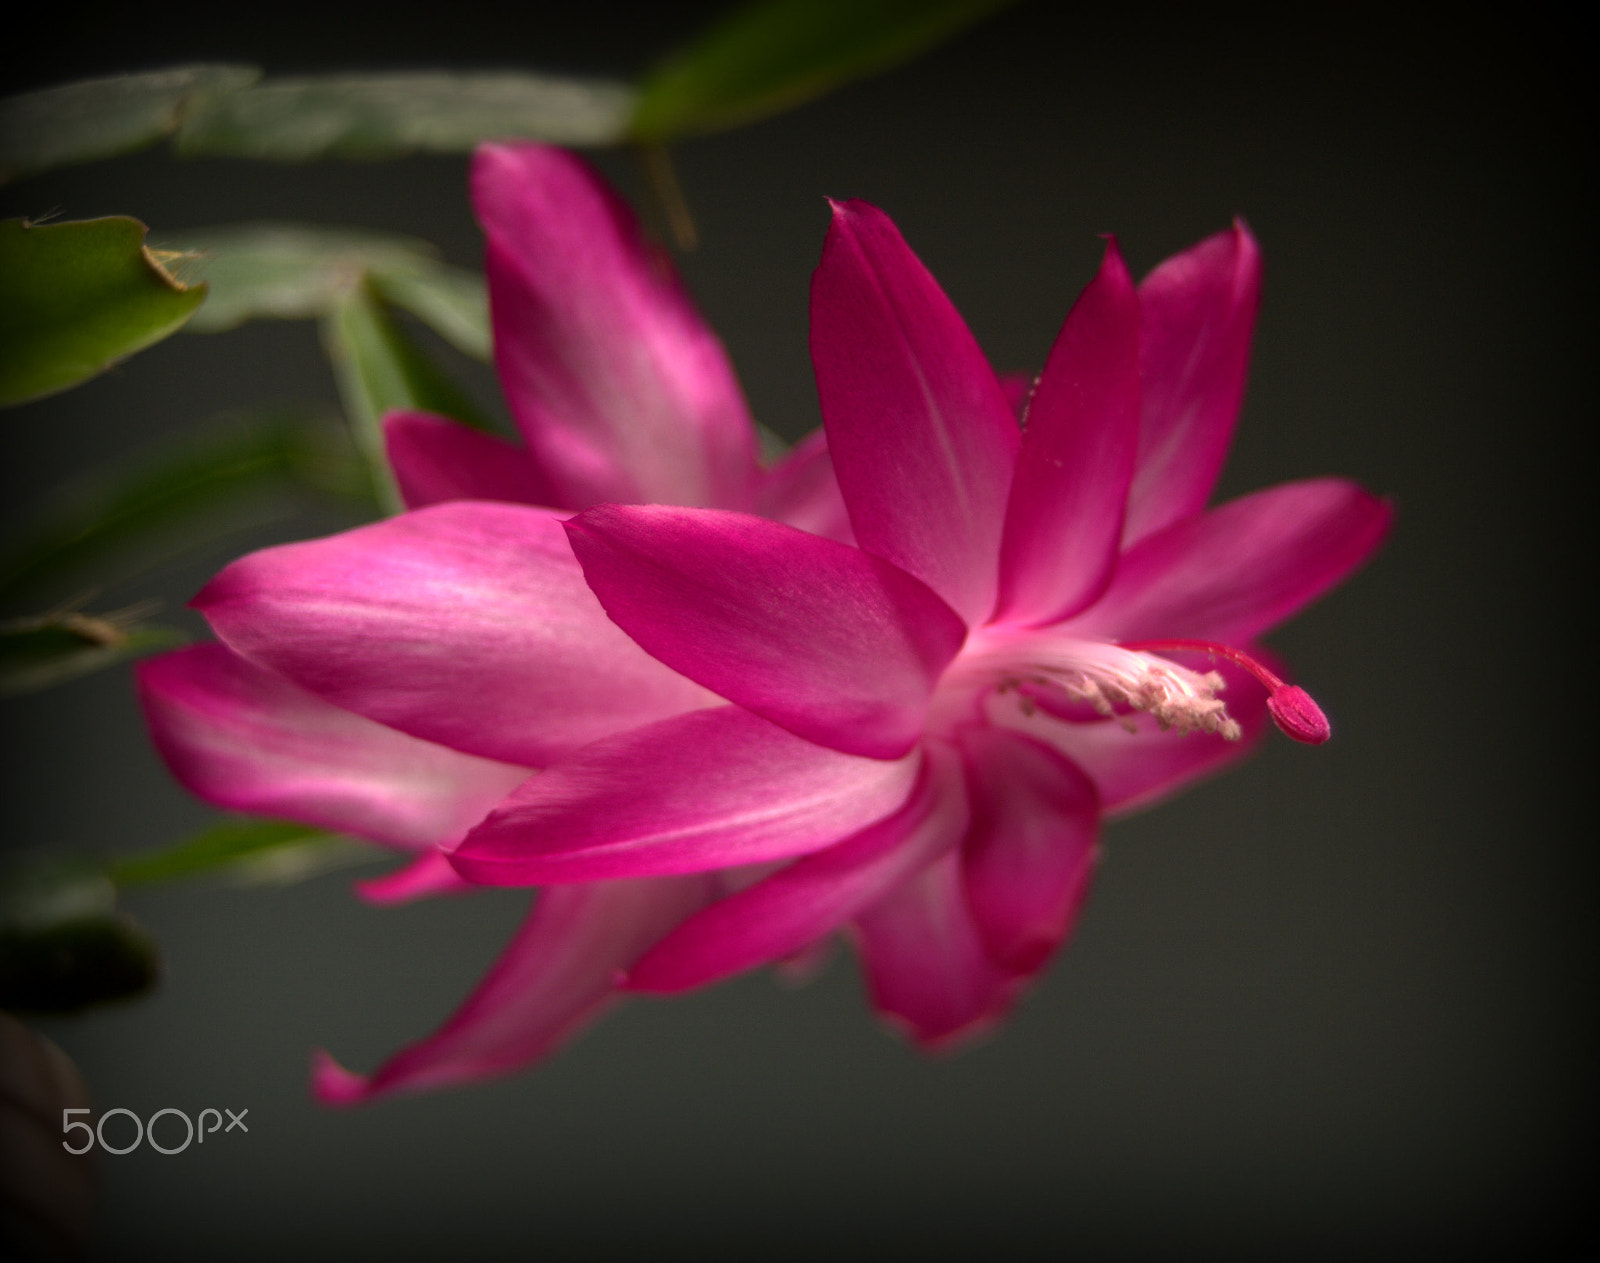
pixel 1335 1003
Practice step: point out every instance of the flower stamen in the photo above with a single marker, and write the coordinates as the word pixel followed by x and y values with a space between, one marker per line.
pixel 1175 697
pixel 1108 680
pixel 1291 707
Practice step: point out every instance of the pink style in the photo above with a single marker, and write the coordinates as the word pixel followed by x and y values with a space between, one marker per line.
pixel 889 686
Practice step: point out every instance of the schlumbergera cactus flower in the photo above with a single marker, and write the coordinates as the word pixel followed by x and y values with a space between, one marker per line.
pixel 750 735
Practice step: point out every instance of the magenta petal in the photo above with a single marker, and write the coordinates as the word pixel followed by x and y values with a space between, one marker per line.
pixel 1065 513
pixel 467 623
pixel 429 874
pixel 830 642
pixel 245 739
pixel 621 390
pixel 799 904
pixel 927 969
pixel 1238 570
pixel 555 976
pixel 435 459
pixel 1030 851
pixel 801 490
pixel 711 789
pixel 1197 313
pixel 921 434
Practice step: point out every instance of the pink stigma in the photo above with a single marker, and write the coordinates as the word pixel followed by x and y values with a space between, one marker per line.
pixel 1298 716
pixel 1290 706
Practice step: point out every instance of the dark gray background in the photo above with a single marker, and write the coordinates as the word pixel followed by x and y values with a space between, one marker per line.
pixel 1334 1003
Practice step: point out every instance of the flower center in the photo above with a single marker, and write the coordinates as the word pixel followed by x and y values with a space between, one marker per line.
pixel 1061 676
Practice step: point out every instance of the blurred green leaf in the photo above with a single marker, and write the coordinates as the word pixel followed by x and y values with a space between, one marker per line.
pixel 182 495
pixel 248 849
pixel 43 888
pixel 75 964
pixel 77 297
pixel 452 302
pixel 774 54
pixel 63 944
pixel 96 118
pixel 38 653
pixel 385 115
pixel 282 271
pixel 300 271
pixel 763 58
pixel 390 370
pixel 379 370
pixel 299 861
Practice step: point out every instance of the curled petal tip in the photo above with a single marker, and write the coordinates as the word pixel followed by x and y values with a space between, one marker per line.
pixel 332 1084
pixel 1298 716
pixel 426 875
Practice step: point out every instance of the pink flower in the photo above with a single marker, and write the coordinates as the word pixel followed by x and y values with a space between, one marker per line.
pixel 751 735
pixel 1015 593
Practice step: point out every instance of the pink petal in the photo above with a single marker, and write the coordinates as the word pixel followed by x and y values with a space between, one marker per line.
pixel 429 874
pixel 1197 313
pixel 711 789
pixel 802 491
pixel 1065 513
pixel 554 977
pixel 926 966
pixel 1030 851
pixel 245 739
pixel 922 437
pixel 832 643
pixel 801 903
pixel 467 623
pixel 1232 573
pixel 621 390
pixel 1133 770
pixel 435 459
